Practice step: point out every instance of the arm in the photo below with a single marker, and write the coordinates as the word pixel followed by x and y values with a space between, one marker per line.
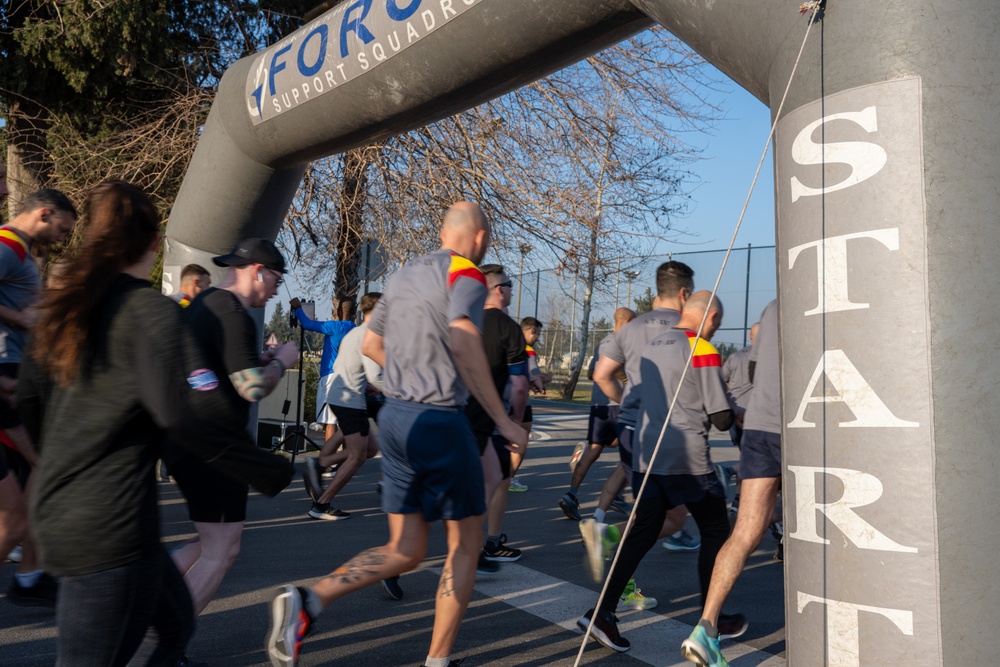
pixel 470 359
pixel 24 319
pixel 518 397
pixel 373 372
pixel 604 376
pixel 253 384
pixel 373 347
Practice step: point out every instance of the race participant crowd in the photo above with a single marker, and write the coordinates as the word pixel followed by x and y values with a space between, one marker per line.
pixel 101 378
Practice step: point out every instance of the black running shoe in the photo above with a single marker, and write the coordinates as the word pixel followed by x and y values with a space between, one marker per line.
pixel 498 553
pixel 570 506
pixel 731 625
pixel 485 565
pixel 42 594
pixel 605 630
pixel 326 513
pixel 392 587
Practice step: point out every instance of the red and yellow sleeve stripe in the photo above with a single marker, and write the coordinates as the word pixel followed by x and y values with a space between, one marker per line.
pixel 530 350
pixel 14 242
pixel 703 353
pixel 464 268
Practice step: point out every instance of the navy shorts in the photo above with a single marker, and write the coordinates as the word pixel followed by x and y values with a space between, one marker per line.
pixel 679 490
pixel 352 421
pixel 9 416
pixel 212 496
pixel 760 455
pixel 12 462
pixel 430 462
pixel 602 428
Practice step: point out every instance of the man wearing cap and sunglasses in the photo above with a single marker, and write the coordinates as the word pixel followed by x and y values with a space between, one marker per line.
pixel 227 335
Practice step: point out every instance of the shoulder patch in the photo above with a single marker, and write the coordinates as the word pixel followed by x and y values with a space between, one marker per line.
pixel 203 379
pixel 703 353
pixel 14 242
pixel 463 268
pixel 530 350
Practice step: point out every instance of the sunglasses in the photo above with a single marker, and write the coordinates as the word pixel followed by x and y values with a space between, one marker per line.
pixel 506 284
pixel 277 277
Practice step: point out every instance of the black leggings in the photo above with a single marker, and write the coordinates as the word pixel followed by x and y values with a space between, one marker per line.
pixel 709 514
pixel 103 617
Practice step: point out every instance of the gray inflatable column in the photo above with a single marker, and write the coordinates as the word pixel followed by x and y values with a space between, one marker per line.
pixel 887 233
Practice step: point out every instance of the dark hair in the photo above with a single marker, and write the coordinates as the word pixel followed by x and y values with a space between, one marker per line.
pixel 343 307
pixel 368 302
pixel 530 323
pixel 48 198
pixel 122 224
pixel 672 277
pixel 193 270
pixel 491 269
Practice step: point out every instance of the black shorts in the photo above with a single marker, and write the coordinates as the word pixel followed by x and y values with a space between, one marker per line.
pixel 528 414
pixel 12 462
pixel 760 455
pixel 352 421
pixel 212 497
pixel 625 435
pixel 679 490
pixel 602 428
pixel 9 416
pixel 373 405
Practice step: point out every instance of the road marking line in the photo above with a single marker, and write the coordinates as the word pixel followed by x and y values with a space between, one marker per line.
pixel 655 639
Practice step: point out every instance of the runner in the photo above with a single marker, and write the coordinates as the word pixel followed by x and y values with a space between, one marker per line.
pixel 425 333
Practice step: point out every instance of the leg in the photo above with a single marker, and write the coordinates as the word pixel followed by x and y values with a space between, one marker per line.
pixel 457 579
pixel 220 545
pixel 713 524
pixel 13 514
pixel 492 476
pixel 334 441
pixel 590 455
pixel 403 552
pixel 612 487
pixel 674 521
pixel 756 509
pixel 649 516
pixel 356 446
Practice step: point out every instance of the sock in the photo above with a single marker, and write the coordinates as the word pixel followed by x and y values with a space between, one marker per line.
pixel 599 515
pixel 28 579
pixel 437 662
pixel 629 587
pixel 311 602
pixel 493 540
pixel 678 534
pixel 709 628
pixel 573 490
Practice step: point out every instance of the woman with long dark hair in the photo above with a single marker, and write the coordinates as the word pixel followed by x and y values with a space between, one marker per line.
pixel 113 373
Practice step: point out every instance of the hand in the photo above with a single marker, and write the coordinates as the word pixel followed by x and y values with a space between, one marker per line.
pixel 295 303
pixel 537 385
pixel 517 437
pixel 287 354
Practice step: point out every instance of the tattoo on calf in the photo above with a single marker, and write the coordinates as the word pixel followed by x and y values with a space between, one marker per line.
pixel 364 564
pixel 446 587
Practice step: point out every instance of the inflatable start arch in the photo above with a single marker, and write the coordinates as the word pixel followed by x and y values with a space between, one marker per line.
pixel 887 233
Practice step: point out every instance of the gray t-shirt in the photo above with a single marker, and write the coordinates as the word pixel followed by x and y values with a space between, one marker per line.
pixel 413 315
pixel 684 450
pixel 764 408
pixel 626 345
pixel 20 287
pixel 736 373
pixel 352 372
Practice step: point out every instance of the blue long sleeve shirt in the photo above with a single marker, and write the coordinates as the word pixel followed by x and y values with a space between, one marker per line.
pixel 333 332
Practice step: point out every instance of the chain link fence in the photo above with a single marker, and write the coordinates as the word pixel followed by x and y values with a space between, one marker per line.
pixel 557 299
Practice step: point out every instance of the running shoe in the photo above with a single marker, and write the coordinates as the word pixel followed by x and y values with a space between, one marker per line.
pixel 731 625
pixel 486 566
pixel 15 554
pixel 702 650
pixel 392 587
pixel 682 541
pixel 311 479
pixel 329 473
pixel 605 630
pixel 498 553
pixel 324 512
pixel 599 539
pixel 290 623
pixel 619 505
pixel 632 598
pixel 577 455
pixel 516 486
pixel 570 506
pixel 42 594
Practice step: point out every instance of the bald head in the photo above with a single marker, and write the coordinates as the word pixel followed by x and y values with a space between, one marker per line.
pixel 694 310
pixel 753 332
pixel 466 231
pixel 622 317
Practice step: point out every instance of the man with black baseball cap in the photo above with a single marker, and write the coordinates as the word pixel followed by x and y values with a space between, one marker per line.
pixel 227 335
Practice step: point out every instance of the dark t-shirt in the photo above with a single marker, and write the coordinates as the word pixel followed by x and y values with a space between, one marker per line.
pixel 94 505
pixel 227 336
pixel 505 346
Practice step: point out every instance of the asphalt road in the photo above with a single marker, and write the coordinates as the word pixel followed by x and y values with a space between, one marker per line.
pixel 525 615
